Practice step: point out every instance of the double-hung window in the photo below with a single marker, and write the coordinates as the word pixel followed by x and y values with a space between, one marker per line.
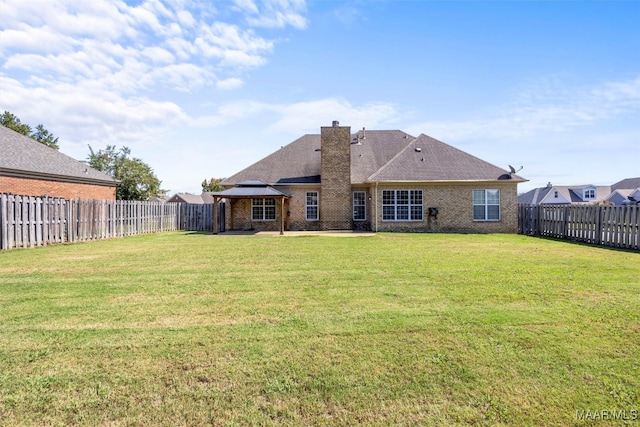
pixel 589 194
pixel 263 209
pixel 359 206
pixel 311 206
pixel 402 205
pixel 486 205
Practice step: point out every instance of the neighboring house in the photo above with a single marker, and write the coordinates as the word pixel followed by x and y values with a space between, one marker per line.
pixel 565 194
pixel 625 192
pixel 198 199
pixel 160 198
pixel 383 180
pixel 30 168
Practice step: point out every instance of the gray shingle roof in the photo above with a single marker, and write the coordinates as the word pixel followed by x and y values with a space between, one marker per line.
pixel 569 194
pixel 533 197
pixel 266 191
pixel 427 159
pixel 626 184
pixel 188 198
pixel 296 162
pixel 376 156
pixel 22 155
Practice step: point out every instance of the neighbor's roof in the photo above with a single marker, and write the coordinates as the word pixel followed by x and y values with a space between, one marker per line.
pixel 535 196
pixel 187 198
pixel 23 156
pixel 626 184
pixel 376 156
pixel 568 193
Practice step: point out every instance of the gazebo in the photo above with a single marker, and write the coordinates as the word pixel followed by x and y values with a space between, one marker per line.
pixel 250 189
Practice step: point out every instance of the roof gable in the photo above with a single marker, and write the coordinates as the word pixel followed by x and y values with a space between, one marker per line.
pixel 23 155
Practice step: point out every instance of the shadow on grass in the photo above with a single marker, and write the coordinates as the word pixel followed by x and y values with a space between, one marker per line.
pixel 588 245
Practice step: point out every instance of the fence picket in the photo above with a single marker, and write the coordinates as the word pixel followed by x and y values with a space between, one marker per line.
pixel 616 226
pixel 39 221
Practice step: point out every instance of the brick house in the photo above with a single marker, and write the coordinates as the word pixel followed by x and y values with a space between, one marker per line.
pixel 30 168
pixel 379 180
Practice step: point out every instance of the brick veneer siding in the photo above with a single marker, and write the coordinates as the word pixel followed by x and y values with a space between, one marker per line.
pixel 65 190
pixel 455 209
pixel 297 219
pixel 335 175
pixel 454 203
pixel 238 212
pixel 238 216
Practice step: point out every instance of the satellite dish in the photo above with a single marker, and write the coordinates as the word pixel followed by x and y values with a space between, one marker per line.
pixel 513 170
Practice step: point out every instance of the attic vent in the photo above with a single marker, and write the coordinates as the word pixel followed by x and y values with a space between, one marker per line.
pixel 418 150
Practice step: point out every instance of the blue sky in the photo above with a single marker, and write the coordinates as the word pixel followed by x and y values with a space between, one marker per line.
pixel 201 89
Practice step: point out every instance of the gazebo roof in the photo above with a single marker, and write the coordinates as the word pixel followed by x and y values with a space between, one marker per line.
pixel 250 189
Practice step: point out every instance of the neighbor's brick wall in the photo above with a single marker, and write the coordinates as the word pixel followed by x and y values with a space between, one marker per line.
pixel 335 175
pixel 455 209
pixel 65 190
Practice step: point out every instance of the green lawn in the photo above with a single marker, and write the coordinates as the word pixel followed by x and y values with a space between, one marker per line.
pixel 405 329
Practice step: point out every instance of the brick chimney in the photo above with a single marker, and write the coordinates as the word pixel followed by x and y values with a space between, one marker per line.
pixel 335 184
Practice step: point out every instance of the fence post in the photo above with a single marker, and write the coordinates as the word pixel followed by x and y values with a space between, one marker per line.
pixel 4 243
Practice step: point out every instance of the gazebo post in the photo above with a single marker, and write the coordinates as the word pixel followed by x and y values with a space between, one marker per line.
pixel 215 215
pixel 282 214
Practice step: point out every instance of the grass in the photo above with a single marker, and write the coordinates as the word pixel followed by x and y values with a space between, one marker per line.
pixel 405 329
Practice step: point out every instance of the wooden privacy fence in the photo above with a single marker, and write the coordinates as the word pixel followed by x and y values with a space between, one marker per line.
pixel 616 226
pixel 26 222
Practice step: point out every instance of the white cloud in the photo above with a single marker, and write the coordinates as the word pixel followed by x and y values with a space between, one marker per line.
pixel 275 13
pixel 158 55
pixel 102 64
pixel 231 83
pixel 42 40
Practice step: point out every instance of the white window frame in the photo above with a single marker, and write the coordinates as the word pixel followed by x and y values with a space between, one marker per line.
pixel 310 207
pixel 263 207
pixel 360 208
pixel 400 207
pixel 589 193
pixel 484 204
